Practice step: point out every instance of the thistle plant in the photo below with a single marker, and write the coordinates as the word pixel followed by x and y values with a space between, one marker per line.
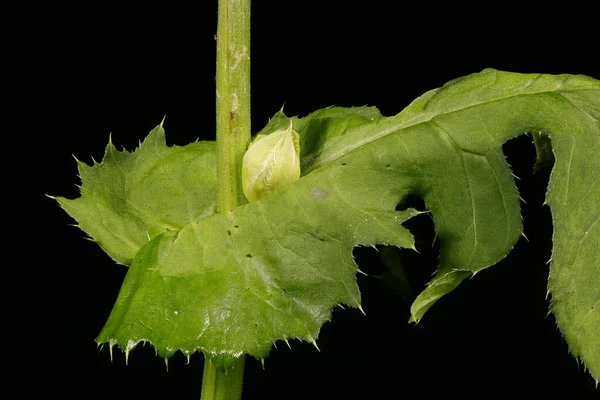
pixel 235 246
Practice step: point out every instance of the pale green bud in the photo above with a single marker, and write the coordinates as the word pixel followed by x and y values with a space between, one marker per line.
pixel 271 161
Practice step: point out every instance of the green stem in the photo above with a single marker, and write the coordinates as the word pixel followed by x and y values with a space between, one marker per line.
pixel 233 137
pixel 233 100
pixel 219 383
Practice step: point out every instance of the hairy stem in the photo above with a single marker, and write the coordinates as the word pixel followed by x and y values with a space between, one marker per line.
pixel 233 99
pixel 233 136
pixel 219 383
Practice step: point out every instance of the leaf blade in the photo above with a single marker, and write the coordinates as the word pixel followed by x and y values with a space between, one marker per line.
pixel 129 198
pixel 445 147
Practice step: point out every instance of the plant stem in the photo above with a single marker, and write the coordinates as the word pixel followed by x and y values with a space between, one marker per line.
pixel 233 137
pixel 233 100
pixel 219 383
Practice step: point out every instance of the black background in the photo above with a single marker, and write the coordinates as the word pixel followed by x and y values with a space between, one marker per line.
pixel 82 73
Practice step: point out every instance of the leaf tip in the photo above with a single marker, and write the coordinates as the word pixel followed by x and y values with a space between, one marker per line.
pixel 111 344
pixel 81 166
pixel 110 147
pixel 314 343
pixel 525 236
pixel 522 200
pixel 361 310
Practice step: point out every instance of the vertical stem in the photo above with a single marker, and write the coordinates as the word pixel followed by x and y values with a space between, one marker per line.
pixel 233 136
pixel 233 100
pixel 221 384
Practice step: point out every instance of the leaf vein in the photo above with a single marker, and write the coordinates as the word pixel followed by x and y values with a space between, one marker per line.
pixel 469 187
pixel 290 250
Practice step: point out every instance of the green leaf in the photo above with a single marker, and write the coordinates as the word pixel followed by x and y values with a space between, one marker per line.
pixel 235 283
pixel 130 198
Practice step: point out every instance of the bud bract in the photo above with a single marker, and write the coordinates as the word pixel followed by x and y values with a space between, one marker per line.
pixel 271 161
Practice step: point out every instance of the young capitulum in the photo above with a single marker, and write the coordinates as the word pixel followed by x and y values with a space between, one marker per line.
pixel 271 162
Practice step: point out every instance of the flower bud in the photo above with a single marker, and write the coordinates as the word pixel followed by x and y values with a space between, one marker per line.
pixel 271 161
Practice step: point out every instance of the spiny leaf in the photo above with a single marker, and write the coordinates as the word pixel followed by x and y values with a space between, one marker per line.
pixel 272 270
pixel 235 283
pixel 131 197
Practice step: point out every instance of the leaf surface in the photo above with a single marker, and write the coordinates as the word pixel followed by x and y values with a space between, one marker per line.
pixel 235 283
pixel 131 197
